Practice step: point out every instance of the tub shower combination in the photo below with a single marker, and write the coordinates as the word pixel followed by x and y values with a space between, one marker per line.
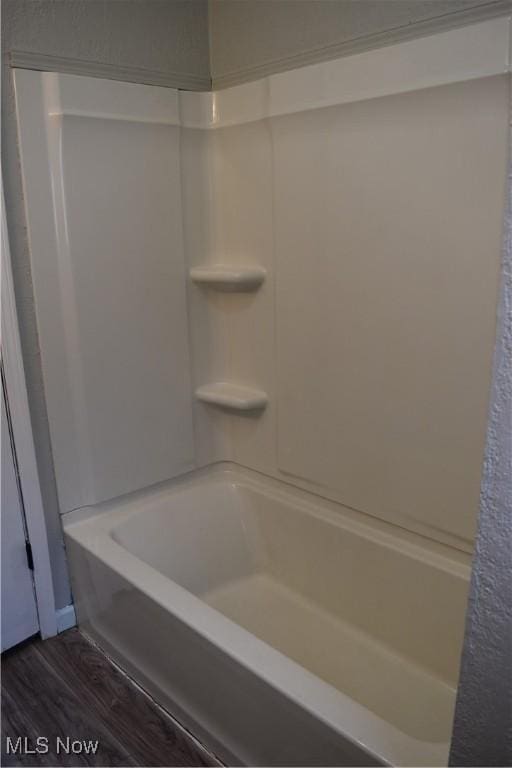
pixel 278 630
pixel 266 318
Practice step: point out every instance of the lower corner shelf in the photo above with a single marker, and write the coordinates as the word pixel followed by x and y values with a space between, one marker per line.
pixel 233 396
pixel 228 278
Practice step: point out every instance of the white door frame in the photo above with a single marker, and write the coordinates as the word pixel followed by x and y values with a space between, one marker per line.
pixel 24 441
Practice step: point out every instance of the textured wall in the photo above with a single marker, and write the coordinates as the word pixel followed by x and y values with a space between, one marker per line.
pixel 158 35
pixel 483 719
pixel 252 39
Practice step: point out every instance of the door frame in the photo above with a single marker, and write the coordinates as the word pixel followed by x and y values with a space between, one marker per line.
pixel 14 373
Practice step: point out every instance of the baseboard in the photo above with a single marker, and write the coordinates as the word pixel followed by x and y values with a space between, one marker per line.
pixel 66 618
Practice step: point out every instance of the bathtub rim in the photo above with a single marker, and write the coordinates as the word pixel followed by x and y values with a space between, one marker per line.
pixel 92 528
pixel 432 552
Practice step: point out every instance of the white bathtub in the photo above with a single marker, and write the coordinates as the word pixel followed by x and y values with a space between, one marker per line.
pixel 280 628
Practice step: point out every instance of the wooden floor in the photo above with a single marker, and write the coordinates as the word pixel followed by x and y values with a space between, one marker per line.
pixel 64 687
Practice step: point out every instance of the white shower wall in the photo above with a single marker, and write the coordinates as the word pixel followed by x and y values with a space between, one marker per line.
pixel 379 224
pixel 370 189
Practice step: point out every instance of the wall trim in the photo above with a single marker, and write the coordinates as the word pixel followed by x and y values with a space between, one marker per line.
pixel 24 442
pixel 46 63
pixel 457 55
pixel 189 82
pixel 65 618
pixel 365 43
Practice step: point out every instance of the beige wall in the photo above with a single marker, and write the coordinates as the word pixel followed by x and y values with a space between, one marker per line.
pixel 255 38
pixel 160 36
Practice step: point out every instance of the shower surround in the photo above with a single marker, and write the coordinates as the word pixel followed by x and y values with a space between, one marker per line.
pixel 267 319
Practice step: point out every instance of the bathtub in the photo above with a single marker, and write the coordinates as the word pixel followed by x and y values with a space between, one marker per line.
pixel 280 628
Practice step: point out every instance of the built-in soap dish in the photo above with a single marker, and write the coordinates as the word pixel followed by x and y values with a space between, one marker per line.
pixel 223 277
pixel 233 396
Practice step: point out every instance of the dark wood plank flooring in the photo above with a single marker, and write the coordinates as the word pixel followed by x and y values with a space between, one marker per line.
pixel 64 687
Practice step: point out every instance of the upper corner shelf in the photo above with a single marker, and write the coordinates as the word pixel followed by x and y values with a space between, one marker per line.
pixel 229 278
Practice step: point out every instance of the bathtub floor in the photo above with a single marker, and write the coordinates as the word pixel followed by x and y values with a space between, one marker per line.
pixel 339 653
pixel 66 687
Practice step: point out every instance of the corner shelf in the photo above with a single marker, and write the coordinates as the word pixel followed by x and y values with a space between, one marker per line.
pixel 229 278
pixel 233 396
